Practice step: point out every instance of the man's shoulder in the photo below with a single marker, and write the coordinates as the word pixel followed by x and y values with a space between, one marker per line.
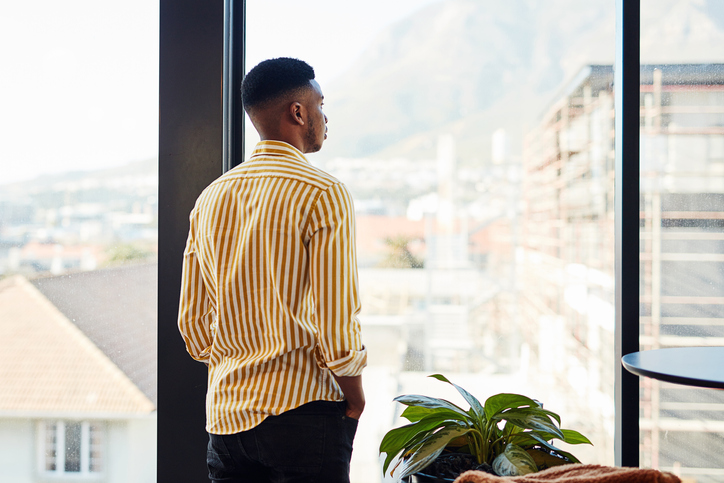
pixel 288 168
pixel 297 172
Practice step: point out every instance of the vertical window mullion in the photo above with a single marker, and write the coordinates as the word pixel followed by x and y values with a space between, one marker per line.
pixel 96 447
pixel 60 447
pixel 627 87
pixel 190 157
pixel 85 448
pixel 234 54
pixel 48 446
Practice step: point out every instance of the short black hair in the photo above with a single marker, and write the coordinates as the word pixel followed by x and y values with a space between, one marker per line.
pixel 273 78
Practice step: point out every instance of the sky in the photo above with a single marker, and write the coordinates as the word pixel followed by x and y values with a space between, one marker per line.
pixel 79 89
pixel 328 34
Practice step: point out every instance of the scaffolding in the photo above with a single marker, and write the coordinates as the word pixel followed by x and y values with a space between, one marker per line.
pixel 568 242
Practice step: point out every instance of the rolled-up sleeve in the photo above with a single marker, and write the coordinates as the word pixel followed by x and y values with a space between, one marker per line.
pixel 335 284
pixel 196 313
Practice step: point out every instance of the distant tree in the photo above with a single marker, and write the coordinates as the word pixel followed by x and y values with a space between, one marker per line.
pixel 127 252
pixel 399 254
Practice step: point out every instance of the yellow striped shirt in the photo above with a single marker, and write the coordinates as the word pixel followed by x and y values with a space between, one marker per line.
pixel 269 295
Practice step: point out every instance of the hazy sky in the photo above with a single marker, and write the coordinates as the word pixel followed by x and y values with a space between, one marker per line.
pixel 329 34
pixel 79 88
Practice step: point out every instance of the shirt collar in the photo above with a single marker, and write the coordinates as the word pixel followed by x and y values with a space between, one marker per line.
pixel 277 148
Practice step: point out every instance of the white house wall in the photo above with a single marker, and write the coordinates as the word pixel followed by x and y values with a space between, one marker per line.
pixel 132 451
pixel 129 452
pixel 17 451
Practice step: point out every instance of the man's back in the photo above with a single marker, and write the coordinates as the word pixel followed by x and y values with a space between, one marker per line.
pixel 267 240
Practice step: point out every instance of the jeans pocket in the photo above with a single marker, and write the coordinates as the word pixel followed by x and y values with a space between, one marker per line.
pixel 293 440
pixel 218 458
pixel 350 425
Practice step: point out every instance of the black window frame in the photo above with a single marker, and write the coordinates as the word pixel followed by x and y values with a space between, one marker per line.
pixel 201 136
pixel 191 151
pixel 627 70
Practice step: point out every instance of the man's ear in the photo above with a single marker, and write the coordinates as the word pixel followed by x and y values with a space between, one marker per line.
pixel 298 113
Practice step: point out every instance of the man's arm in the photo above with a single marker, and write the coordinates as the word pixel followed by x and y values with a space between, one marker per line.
pixel 333 277
pixel 353 393
pixel 195 314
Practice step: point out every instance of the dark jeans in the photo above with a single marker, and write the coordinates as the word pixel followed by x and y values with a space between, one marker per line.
pixel 312 443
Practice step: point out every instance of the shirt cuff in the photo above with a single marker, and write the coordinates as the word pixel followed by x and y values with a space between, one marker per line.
pixel 348 366
pixel 202 356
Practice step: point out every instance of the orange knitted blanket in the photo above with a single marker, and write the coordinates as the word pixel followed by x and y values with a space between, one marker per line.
pixel 576 473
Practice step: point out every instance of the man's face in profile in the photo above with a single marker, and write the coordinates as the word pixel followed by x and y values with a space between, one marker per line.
pixel 317 126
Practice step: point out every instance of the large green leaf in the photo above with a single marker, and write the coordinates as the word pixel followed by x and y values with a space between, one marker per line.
pixel 568 455
pixel 548 445
pixel 472 400
pixel 501 402
pixel 428 450
pixel 416 413
pixel 544 460
pixel 524 439
pixel 574 437
pixel 429 402
pixel 412 443
pixel 531 418
pixel 569 436
pixel 552 414
pixel 514 461
pixel 511 429
pixel 406 437
pixel 396 439
pixel 388 459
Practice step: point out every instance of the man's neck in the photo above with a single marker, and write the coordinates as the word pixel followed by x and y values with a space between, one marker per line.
pixel 295 141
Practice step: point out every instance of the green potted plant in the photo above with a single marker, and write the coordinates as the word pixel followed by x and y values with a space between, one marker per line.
pixel 508 435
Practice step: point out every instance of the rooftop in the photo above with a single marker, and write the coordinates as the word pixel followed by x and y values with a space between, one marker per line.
pixel 49 367
pixel 116 309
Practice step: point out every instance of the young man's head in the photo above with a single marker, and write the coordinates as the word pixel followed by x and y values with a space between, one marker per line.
pixel 284 103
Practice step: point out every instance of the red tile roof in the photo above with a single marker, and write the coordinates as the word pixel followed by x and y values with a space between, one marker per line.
pixel 49 367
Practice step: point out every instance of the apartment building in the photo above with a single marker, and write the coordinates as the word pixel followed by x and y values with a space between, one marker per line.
pixel 568 245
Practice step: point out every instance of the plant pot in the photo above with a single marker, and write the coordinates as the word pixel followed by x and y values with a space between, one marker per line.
pixel 544 459
pixel 424 478
pixel 460 462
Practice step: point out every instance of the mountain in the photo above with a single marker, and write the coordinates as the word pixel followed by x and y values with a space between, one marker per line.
pixel 129 188
pixel 469 67
pixel 133 174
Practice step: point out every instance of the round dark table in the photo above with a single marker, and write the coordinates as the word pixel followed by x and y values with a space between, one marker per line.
pixel 692 366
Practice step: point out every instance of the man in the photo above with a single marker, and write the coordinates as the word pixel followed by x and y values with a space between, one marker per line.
pixel 269 296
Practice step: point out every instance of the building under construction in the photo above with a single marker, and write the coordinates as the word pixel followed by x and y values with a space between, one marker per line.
pixel 567 247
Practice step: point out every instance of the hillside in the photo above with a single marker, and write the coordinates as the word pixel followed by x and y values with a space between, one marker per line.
pixel 469 67
pixel 130 175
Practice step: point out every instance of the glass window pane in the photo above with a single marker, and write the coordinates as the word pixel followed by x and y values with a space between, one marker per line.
pixel 95 448
pixel 50 434
pixel 477 140
pixel 72 446
pixel 78 237
pixel 682 235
